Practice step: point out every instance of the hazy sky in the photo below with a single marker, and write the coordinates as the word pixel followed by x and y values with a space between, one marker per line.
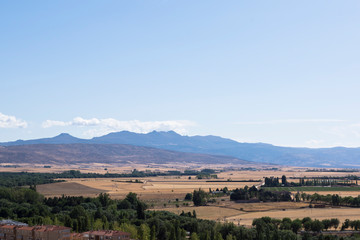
pixel 280 72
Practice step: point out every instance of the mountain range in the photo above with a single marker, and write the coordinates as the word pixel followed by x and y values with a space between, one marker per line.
pixel 213 145
pixel 120 154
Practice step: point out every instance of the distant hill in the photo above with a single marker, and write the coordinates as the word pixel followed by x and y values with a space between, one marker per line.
pixel 77 153
pixel 257 152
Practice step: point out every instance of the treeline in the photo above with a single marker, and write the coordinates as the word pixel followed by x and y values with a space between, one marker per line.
pixel 314 181
pixel 332 170
pixel 268 228
pixel 334 199
pixel 271 228
pixel 253 193
pixel 15 179
pixel 202 198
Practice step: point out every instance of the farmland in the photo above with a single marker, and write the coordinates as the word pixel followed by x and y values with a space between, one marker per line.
pixel 168 192
pixel 245 213
pixel 314 189
pixel 154 188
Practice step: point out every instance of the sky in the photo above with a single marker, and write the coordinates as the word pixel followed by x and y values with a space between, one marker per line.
pixel 280 72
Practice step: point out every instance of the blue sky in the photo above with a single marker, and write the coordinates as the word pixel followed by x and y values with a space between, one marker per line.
pixel 280 72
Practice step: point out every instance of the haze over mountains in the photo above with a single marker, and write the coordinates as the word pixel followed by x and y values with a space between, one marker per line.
pixel 257 152
pixel 79 153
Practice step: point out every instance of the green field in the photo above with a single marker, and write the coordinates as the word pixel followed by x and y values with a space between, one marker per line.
pixel 312 189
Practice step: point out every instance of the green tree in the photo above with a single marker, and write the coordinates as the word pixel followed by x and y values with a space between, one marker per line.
pixel 326 223
pixel 144 232
pixel 317 226
pixel 153 233
pixel 98 224
pixel 199 197
pixel 132 198
pixel 194 236
pixel 296 225
pixel 104 199
pixel 229 237
pixel 140 210
pixel 218 236
pixel 286 224
pixel 283 180
pixel 126 227
pixel 335 223
pixel 188 197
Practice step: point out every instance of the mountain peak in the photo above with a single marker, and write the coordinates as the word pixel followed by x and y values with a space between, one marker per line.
pixel 64 135
pixel 164 133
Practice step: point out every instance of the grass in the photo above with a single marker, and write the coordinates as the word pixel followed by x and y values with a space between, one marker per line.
pixel 312 189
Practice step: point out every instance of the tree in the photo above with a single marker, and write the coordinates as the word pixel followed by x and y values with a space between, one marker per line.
pixel 104 199
pixel 132 198
pixel 335 200
pixel 98 224
pixel 326 223
pixel 296 225
pixel 194 214
pixel 188 196
pixel 286 224
pixel 153 233
pixel 283 180
pixel 125 227
pixel 218 236
pixel 199 198
pixel 140 210
pixel 317 226
pixel 345 225
pixel 194 236
pixel 68 221
pixel 144 232
pixel 229 237
pixel 335 223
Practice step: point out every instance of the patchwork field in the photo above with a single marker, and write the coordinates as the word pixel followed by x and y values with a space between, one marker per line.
pixel 314 213
pixel 314 189
pixel 161 192
pixel 155 188
pixel 245 213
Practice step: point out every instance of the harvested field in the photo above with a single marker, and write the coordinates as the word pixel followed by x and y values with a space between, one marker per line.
pixel 155 188
pixel 265 206
pixel 233 213
pixel 207 212
pixel 291 172
pixel 314 213
pixel 314 189
pixel 340 193
pixel 68 189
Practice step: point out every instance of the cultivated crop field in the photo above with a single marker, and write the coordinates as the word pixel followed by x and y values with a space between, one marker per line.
pixel 154 188
pixel 160 193
pixel 314 213
pixel 245 213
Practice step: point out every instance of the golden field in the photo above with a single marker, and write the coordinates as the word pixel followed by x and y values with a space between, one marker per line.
pixel 154 188
pixel 160 192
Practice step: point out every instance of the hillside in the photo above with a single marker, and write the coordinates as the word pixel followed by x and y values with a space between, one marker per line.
pixel 257 152
pixel 103 153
